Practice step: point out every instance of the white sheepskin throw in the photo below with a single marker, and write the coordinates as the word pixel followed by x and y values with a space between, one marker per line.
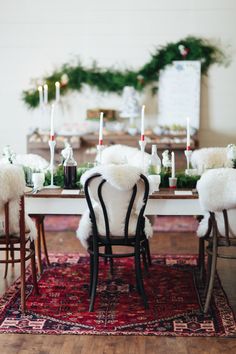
pixel 34 161
pixel 12 186
pixel 206 158
pixel 120 154
pixel 203 225
pixel 217 191
pixel 117 193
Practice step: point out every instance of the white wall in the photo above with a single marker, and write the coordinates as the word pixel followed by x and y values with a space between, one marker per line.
pixel 37 36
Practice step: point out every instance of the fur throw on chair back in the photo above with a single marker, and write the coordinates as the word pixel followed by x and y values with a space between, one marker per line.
pixel 121 154
pixel 12 186
pixel 33 161
pixel 116 194
pixel 214 157
pixel 217 191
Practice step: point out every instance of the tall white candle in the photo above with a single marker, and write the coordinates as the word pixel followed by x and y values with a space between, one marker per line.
pixel 101 129
pixel 57 86
pixel 40 90
pixel 45 94
pixel 142 122
pixel 52 123
pixel 188 135
pixel 173 164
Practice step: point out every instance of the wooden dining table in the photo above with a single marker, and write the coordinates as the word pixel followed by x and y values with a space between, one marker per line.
pixel 62 202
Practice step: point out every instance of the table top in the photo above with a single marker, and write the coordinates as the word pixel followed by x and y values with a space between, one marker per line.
pixel 164 193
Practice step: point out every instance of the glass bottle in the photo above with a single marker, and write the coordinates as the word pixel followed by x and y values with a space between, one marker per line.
pixel 70 171
pixel 154 167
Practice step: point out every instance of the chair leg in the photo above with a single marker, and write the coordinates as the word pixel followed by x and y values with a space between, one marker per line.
pixel 22 276
pixel 144 257
pixel 148 252
pixel 33 269
pixel 7 262
pixel 139 279
pixel 12 254
pixel 212 273
pixel 7 258
pixel 201 258
pixel 91 275
pixel 43 239
pixel 38 246
pixel 106 251
pixel 109 250
pixel 209 263
pixel 94 281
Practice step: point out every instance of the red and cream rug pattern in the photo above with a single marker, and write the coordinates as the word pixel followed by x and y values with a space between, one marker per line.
pixel 173 289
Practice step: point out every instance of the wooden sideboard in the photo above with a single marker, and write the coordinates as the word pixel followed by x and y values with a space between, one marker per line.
pixel 84 147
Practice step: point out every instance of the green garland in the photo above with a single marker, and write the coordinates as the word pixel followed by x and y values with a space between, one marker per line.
pixel 73 77
pixel 58 176
pixel 183 181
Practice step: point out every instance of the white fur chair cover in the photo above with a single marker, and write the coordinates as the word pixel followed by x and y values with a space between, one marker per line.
pixel 117 192
pixel 213 157
pixel 120 154
pixel 217 191
pixel 12 186
pixel 33 161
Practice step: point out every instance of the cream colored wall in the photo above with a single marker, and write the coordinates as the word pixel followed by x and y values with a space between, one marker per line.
pixel 37 36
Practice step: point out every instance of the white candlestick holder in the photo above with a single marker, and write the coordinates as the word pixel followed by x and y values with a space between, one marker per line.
pixel 188 154
pixel 52 145
pixel 100 149
pixel 142 144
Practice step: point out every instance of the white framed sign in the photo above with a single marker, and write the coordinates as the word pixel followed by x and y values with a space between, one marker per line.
pixel 179 94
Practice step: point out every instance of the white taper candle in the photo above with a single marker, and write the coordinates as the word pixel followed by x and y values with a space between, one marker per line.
pixel 40 90
pixel 142 122
pixel 188 135
pixel 173 164
pixel 45 94
pixel 52 123
pixel 57 86
pixel 101 129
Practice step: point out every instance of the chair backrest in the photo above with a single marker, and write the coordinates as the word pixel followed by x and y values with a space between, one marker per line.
pixel 217 195
pixel 32 161
pixel 115 211
pixel 12 185
pixel 206 158
pixel 18 226
pixel 121 154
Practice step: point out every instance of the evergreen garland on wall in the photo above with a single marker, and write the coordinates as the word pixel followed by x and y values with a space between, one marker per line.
pixel 73 77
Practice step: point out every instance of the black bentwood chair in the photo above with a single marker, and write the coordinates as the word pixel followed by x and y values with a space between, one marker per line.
pixel 106 240
pixel 217 195
pixel 215 244
pixel 16 229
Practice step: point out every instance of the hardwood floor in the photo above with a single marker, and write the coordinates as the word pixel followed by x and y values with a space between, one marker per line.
pixel 66 344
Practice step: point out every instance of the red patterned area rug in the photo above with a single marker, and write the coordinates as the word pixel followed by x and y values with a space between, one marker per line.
pixel 162 223
pixel 173 289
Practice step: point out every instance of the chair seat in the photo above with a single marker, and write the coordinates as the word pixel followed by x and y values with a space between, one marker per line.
pixel 117 240
pixel 222 242
pixel 14 238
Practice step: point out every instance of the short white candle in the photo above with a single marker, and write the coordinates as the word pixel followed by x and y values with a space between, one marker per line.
pixel 52 123
pixel 57 86
pixel 101 129
pixel 173 164
pixel 188 135
pixel 40 90
pixel 142 122
pixel 45 93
